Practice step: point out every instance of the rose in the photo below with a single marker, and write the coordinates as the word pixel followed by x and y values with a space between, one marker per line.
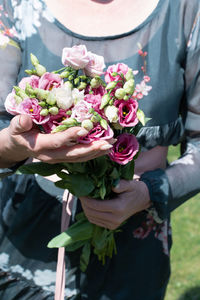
pixel 127 112
pixel 30 107
pixel 75 57
pixel 81 110
pixel 95 66
pixel 48 81
pixel 32 80
pixel 125 148
pixel 118 68
pixel 97 133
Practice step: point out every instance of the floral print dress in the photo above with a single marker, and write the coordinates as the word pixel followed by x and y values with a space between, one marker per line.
pixel 30 206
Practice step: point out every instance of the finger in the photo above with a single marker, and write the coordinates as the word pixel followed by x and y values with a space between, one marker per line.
pixel 124 186
pixel 98 205
pixel 20 124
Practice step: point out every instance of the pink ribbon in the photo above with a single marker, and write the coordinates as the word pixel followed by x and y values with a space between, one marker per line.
pixel 60 271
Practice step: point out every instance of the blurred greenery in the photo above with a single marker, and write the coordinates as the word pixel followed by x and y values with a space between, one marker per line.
pixel 185 254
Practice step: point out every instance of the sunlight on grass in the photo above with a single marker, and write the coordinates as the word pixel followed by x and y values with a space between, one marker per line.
pixel 185 255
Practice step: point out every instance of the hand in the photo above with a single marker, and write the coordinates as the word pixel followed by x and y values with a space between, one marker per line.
pixel 131 197
pixel 22 140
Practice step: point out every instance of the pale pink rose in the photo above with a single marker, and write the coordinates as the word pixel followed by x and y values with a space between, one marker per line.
pixel 127 112
pixel 95 101
pixel 125 148
pixel 80 111
pixel 10 104
pixel 118 68
pixel 95 66
pixel 48 81
pixel 30 107
pixel 75 57
pixel 97 133
pixel 32 80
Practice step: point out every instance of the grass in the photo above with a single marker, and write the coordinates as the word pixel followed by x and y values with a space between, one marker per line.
pixel 185 255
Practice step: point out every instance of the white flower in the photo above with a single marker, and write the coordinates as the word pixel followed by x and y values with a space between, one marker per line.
pixel 63 96
pixel 77 95
pixel 111 113
pixel 143 88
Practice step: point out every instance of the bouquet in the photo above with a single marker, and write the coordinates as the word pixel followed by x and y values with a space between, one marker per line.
pixel 104 103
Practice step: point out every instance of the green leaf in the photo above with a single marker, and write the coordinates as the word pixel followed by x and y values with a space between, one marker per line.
pixel 75 246
pixel 76 167
pixel 78 184
pixel 85 256
pixel 40 168
pixel 127 171
pixel 102 190
pixel 79 231
pixel 114 174
pixel 141 116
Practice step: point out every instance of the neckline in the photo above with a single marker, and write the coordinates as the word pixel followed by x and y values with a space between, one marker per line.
pixel 108 37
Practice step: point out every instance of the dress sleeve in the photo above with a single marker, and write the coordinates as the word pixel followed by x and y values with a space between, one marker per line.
pixel 181 180
pixel 10 56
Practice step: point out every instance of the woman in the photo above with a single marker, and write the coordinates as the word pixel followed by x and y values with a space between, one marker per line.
pixel 169 31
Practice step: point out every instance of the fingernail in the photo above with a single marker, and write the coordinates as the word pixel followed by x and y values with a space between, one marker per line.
pixel 82 132
pixel 106 147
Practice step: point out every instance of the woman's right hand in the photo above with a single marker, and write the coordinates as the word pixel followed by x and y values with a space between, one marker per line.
pixel 22 140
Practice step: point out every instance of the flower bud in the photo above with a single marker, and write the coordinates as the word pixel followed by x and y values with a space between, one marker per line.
pixel 126 98
pixel 111 85
pixel 29 90
pixel 40 70
pixel 120 93
pixel 114 74
pixel 95 82
pixel 53 110
pixel 82 86
pixel 105 100
pixel 95 119
pixel 51 99
pixel 76 81
pixel 44 112
pixel 59 128
pixel 21 93
pixel 42 103
pixel 64 74
pixel 104 124
pixel 18 99
pixel 41 94
pixel 70 122
pixel 34 60
pixel 87 124
pixel 30 72
pixel 129 86
pixel 129 74
pixel 71 77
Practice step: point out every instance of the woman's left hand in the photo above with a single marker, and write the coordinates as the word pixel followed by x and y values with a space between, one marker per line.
pixel 131 197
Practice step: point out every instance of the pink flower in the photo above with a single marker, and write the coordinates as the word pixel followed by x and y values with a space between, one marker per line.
pixel 143 88
pixel 75 57
pixel 48 81
pixel 80 111
pixel 127 112
pixel 95 66
pixel 54 121
pixel 97 133
pixel 32 80
pixel 124 149
pixel 95 101
pixel 10 104
pixel 118 68
pixel 30 107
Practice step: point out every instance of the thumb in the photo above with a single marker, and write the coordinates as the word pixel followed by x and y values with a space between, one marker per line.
pixel 123 186
pixel 20 124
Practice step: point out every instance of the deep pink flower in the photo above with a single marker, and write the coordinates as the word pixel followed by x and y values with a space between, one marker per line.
pixel 54 121
pixel 127 112
pixel 125 148
pixel 95 66
pixel 97 133
pixel 76 57
pixel 119 68
pixel 48 81
pixel 32 80
pixel 30 107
